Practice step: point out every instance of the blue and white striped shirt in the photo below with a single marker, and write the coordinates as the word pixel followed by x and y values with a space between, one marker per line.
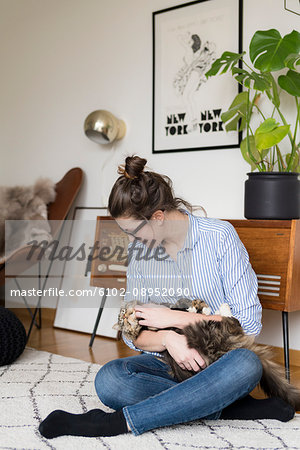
pixel 213 265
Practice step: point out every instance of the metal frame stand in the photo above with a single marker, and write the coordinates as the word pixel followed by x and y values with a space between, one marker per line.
pixel 285 328
pixel 38 306
pixel 39 324
pixel 101 307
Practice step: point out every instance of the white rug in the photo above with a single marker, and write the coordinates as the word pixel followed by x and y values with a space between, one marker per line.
pixel 39 382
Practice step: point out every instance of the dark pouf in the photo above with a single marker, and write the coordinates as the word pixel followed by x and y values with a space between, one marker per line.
pixel 12 337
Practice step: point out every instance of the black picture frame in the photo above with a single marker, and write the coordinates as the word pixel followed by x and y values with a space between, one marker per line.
pixel 78 313
pixel 292 6
pixel 187 39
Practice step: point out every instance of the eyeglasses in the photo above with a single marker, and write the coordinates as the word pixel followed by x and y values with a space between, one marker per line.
pixel 138 228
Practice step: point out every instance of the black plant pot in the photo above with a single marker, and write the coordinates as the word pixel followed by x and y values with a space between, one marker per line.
pixel 272 195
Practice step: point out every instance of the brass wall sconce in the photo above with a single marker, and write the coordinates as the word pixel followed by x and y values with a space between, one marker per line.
pixel 103 127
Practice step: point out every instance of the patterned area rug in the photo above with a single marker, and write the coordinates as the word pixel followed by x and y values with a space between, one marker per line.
pixel 39 382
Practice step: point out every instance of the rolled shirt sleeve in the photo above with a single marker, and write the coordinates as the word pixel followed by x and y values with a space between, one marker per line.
pixel 130 344
pixel 134 284
pixel 134 288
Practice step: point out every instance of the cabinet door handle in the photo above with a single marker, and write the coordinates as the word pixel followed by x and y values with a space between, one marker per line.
pixel 117 268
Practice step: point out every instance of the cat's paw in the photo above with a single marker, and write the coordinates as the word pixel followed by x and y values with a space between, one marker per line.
pixel 206 311
pixel 224 310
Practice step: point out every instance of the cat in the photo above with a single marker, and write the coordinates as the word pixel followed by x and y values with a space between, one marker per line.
pixel 212 339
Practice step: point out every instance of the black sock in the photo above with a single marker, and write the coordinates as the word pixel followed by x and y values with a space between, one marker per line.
pixel 249 408
pixel 92 424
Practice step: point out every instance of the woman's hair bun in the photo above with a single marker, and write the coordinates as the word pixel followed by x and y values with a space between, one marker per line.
pixel 133 167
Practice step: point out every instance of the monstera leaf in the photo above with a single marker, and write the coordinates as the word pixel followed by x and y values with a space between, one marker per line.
pixel 250 141
pixel 295 167
pixel 275 99
pixel 268 50
pixel 248 144
pixel 225 62
pixel 260 81
pixel 269 133
pixel 290 83
pixel 292 61
pixel 236 111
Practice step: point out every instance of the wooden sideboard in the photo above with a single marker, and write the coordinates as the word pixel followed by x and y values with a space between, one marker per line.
pixel 274 251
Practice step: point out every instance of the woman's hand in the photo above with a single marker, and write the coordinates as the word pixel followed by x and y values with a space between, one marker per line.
pixel 155 316
pixel 187 358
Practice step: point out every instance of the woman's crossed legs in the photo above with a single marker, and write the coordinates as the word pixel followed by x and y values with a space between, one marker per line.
pixel 145 396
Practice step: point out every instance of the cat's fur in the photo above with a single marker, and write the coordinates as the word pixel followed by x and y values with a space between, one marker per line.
pixel 25 203
pixel 212 339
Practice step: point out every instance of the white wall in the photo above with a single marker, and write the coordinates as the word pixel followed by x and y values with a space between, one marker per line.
pixel 62 59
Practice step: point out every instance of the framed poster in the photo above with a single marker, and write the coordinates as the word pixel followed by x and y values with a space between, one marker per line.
pixel 292 6
pixel 187 107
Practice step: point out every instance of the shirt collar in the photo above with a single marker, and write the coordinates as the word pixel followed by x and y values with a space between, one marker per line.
pixel 191 236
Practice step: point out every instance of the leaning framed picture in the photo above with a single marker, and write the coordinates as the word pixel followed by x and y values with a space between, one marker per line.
pixel 78 311
pixel 187 106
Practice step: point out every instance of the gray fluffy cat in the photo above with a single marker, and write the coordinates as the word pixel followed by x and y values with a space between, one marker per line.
pixel 212 339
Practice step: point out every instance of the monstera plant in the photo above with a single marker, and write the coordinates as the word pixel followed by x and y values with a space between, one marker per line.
pixel 271 55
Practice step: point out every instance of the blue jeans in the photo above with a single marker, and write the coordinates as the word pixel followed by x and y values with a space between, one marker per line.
pixel 151 398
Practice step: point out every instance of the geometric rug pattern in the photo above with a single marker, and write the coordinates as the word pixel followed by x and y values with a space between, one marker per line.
pixel 39 382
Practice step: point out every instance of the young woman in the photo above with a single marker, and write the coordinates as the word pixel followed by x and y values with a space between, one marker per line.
pixel 174 254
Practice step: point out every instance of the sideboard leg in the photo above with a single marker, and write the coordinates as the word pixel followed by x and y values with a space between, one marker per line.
pixel 103 300
pixel 285 327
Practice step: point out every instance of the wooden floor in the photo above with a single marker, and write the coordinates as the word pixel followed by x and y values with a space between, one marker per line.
pixel 76 345
pixel 71 343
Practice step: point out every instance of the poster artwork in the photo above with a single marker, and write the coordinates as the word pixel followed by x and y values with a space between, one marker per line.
pixel 196 61
pixel 187 106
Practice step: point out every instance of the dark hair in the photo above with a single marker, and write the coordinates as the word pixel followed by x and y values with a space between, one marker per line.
pixel 197 42
pixel 138 193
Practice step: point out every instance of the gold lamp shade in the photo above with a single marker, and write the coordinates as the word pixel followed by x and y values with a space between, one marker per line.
pixel 103 127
